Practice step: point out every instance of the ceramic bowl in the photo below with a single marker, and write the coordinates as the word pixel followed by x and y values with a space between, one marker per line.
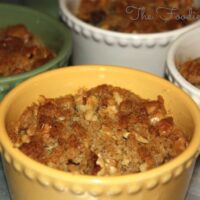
pixel 92 45
pixel 28 179
pixel 54 35
pixel 186 47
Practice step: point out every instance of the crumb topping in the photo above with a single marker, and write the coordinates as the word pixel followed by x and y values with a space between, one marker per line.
pixel 138 16
pixel 190 70
pixel 102 131
pixel 21 51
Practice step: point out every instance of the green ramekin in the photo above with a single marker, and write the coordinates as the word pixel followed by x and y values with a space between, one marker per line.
pixel 50 31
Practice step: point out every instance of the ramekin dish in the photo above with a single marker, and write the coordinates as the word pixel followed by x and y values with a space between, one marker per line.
pixel 28 179
pixel 92 45
pixel 184 48
pixel 51 32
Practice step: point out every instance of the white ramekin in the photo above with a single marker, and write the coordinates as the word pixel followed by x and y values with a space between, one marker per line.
pixel 92 45
pixel 185 47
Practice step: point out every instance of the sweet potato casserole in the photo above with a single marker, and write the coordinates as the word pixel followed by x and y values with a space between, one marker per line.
pixel 138 16
pixel 102 131
pixel 190 70
pixel 21 51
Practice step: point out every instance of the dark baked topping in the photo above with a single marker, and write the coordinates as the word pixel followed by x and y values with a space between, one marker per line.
pixel 190 70
pixel 21 51
pixel 138 16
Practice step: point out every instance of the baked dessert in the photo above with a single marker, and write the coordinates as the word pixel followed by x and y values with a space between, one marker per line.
pixel 101 131
pixel 138 16
pixel 190 70
pixel 21 51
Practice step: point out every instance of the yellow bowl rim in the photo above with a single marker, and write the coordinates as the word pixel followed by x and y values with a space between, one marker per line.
pixel 192 150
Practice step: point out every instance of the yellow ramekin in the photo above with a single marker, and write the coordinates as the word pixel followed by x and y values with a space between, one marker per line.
pixel 30 180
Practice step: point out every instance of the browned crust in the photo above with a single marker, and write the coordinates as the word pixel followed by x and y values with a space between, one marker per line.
pixel 136 16
pixel 21 51
pixel 106 130
pixel 190 70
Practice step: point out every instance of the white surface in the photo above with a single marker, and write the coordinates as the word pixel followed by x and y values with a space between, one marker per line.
pixel 194 190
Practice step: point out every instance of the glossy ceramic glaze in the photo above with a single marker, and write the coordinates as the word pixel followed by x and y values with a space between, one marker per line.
pixel 92 45
pixel 50 7
pixel 54 34
pixel 186 47
pixel 30 180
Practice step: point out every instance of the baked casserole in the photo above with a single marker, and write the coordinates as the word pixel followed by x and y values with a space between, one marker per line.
pixel 101 131
pixel 21 50
pixel 138 16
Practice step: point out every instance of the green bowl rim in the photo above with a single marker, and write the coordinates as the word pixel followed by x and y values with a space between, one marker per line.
pixel 65 51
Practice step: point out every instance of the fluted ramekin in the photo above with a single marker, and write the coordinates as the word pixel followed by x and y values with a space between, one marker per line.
pixel 30 180
pixel 92 45
pixel 184 48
